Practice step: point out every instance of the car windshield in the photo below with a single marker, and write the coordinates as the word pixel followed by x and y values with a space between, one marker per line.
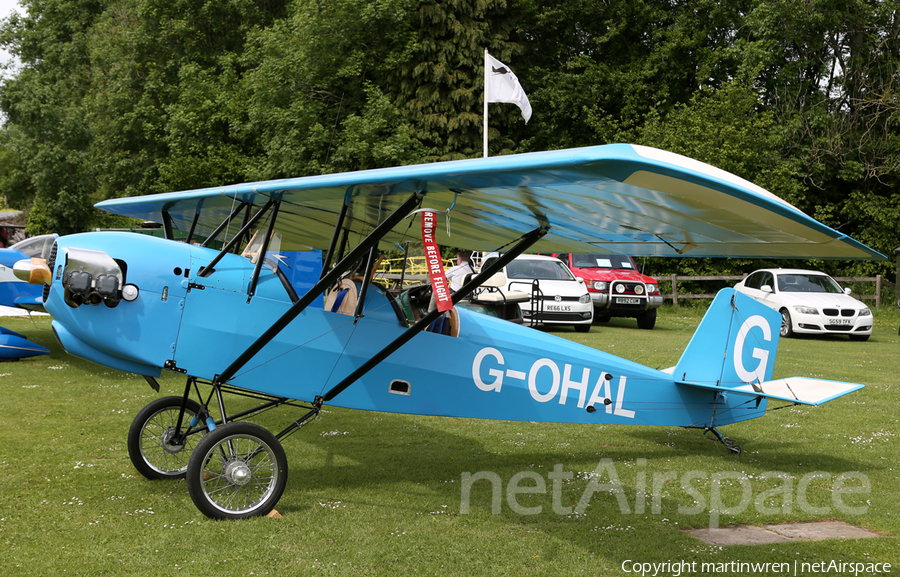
pixel 539 269
pixel 602 261
pixel 808 283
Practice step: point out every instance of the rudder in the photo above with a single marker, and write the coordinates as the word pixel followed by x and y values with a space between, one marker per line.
pixel 735 344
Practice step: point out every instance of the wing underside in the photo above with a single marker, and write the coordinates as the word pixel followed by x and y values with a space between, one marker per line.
pixel 615 198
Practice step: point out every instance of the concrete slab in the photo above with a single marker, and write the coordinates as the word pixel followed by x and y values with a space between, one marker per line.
pixel 753 535
pixel 822 530
pixel 745 535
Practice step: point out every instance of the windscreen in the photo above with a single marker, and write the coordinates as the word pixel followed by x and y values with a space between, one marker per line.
pixel 602 261
pixel 538 269
pixel 808 283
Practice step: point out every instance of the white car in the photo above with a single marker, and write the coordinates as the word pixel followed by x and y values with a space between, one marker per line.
pixel 810 302
pixel 558 297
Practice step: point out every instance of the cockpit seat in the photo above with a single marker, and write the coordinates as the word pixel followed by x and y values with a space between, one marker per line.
pixel 446 324
pixel 342 298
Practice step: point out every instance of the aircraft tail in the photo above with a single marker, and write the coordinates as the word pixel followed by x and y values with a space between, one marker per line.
pixel 734 350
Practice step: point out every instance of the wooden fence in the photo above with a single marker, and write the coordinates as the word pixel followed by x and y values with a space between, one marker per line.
pixel 393 280
pixel 674 296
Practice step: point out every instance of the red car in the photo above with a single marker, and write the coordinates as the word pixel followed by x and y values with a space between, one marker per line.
pixel 616 287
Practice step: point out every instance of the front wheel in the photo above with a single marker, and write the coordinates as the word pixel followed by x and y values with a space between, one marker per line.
pixel 156 450
pixel 859 337
pixel 582 328
pixel 239 470
pixel 787 329
pixel 647 320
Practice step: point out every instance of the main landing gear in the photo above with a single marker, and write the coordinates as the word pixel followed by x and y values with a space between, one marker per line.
pixel 234 469
pixel 238 470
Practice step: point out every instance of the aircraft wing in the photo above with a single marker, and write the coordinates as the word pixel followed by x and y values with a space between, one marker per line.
pixel 615 198
pixel 31 303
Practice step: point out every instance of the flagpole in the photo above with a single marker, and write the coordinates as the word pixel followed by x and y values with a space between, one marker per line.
pixel 485 103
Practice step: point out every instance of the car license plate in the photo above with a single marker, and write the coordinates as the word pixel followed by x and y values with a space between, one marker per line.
pixel 559 308
pixel 627 301
pixel 840 321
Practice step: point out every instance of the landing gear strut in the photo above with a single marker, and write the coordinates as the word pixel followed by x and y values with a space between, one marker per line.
pixel 717 436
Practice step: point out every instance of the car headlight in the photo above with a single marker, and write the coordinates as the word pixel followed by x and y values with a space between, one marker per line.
pixel 600 285
pixel 805 310
pixel 652 289
pixel 638 290
pixel 584 299
pixel 865 312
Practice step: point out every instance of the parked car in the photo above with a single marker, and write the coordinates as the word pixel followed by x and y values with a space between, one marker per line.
pixel 558 297
pixel 616 286
pixel 810 302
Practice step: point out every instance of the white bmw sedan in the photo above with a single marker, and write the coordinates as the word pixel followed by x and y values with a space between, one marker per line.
pixel 810 302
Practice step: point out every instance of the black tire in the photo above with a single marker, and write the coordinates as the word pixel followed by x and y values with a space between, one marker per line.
pixel 647 320
pixel 859 337
pixel 238 470
pixel 787 329
pixel 582 328
pixel 602 318
pixel 149 438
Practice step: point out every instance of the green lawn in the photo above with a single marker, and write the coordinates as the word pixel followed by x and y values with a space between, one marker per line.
pixel 383 494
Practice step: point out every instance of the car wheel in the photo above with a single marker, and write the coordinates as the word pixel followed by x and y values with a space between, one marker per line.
pixel 582 328
pixel 859 337
pixel 647 320
pixel 787 329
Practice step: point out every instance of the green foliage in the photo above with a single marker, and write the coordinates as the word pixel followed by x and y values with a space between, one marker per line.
pixel 135 97
pixel 440 83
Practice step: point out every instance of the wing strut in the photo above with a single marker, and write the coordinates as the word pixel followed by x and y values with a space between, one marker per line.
pixel 262 252
pixel 208 269
pixel 190 233
pixel 526 241
pixel 224 223
pixel 327 280
pixel 334 236
pixel 167 225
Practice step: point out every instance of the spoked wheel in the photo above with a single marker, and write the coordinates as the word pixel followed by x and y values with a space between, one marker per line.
pixel 152 444
pixel 237 471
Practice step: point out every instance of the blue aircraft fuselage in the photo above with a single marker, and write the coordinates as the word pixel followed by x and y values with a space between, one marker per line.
pixel 182 322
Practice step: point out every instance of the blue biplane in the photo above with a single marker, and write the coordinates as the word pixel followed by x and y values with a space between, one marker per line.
pixel 231 321
pixel 19 293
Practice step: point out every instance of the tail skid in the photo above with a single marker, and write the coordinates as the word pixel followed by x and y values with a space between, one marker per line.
pixel 736 332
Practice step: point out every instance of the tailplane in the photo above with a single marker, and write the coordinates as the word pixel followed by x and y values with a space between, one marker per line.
pixel 734 350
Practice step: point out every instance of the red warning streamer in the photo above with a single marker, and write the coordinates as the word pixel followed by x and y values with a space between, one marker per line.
pixel 439 285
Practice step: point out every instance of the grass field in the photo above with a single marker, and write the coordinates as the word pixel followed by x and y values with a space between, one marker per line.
pixel 383 494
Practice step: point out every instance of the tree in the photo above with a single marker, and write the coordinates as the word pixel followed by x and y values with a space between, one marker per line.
pixel 47 130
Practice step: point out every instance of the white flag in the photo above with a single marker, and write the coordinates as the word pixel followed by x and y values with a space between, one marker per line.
pixel 501 85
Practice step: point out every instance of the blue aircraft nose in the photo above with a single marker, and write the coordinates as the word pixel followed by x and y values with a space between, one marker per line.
pixel 117 298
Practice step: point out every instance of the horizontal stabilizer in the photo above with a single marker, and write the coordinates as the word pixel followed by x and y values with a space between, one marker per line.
pixel 793 389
